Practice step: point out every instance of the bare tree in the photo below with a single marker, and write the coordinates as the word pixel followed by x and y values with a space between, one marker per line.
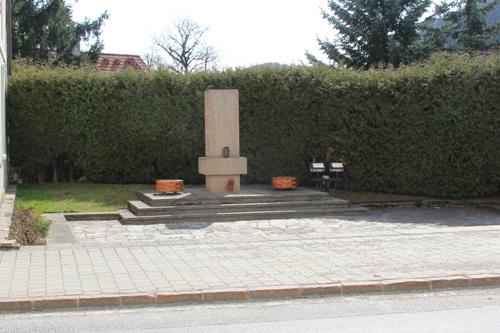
pixel 153 60
pixel 185 46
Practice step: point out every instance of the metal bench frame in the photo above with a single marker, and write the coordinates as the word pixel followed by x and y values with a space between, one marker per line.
pixel 324 174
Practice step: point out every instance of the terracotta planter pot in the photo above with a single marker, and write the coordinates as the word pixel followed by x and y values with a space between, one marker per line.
pixel 170 185
pixel 284 183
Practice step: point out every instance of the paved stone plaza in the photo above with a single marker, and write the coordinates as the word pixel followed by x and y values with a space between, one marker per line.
pixel 379 222
pixel 104 257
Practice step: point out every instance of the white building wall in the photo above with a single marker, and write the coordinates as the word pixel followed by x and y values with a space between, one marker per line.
pixel 3 91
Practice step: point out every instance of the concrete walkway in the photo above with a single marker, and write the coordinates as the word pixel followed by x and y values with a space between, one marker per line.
pixel 103 262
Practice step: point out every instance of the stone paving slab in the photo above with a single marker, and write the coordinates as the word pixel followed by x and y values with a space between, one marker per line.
pixel 398 249
pixel 110 233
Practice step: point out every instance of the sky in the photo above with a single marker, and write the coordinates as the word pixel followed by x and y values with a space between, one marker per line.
pixel 244 32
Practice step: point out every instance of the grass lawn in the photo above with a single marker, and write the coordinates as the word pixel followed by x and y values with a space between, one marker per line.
pixel 76 197
pixel 82 197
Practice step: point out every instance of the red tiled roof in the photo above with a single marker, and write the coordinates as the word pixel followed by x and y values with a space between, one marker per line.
pixel 112 62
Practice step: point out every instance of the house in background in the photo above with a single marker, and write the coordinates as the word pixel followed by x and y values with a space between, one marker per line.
pixel 111 62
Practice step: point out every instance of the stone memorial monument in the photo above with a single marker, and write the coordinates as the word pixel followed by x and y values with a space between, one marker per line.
pixel 222 164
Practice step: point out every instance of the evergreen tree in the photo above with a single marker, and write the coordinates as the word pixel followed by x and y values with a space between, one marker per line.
pixel 44 31
pixel 373 32
pixel 460 26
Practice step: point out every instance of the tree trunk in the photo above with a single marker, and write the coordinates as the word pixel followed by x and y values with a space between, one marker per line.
pixel 40 176
pixel 71 173
pixel 54 171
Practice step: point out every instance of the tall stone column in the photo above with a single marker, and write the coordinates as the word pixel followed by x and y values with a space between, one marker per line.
pixel 222 132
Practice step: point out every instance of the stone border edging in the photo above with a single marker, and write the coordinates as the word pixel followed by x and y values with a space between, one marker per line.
pixel 240 294
pixel 6 209
pixel 91 216
pixel 436 202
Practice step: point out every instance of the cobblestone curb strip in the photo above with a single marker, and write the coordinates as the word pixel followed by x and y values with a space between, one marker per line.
pixel 6 209
pixel 241 294
pixel 492 206
pixel 91 216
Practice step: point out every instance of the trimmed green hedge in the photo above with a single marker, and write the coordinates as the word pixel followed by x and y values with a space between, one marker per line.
pixel 431 129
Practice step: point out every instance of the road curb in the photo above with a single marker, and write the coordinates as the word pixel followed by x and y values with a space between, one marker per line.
pixel 242 294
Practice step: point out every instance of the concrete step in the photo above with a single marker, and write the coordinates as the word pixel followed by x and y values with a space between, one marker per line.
pixel 199 198
pixel 128 217
pixel 143 209
pixel 9 244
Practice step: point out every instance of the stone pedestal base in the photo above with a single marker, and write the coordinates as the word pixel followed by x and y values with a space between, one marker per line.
pixel 219 183
pixel 219 171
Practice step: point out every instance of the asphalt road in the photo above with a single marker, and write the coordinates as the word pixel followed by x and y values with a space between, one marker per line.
pixel 468 311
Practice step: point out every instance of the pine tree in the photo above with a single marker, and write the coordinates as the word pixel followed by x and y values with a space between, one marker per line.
pixel 372 32
pixel 460 26
pixel 44 31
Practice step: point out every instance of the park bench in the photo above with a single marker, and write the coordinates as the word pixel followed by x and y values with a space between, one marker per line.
pixel 324 175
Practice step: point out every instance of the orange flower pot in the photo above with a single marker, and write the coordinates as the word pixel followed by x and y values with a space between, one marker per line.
pixel 284 183
pixel 170 185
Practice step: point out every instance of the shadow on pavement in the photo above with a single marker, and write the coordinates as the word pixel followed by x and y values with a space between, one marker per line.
pixel 446 216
